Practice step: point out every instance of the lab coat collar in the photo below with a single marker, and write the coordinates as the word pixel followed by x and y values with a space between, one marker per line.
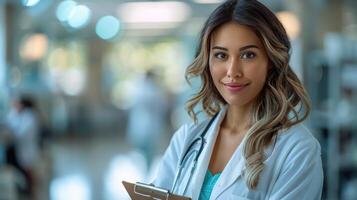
pixel 204 159
pixel 234 169
pixel 231 172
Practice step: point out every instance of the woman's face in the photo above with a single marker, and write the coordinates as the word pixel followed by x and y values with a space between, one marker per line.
pixel 238 63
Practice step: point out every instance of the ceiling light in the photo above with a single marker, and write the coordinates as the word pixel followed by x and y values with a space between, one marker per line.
pixel 154 12
pixel 208 1
pixel 30 3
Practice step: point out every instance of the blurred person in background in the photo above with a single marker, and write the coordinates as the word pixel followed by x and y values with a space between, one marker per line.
pixel 23 150
pixel 252 145
pixel 147 116
pixel 345 111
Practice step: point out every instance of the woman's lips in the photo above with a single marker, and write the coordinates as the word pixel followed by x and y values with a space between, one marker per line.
pixel 235 87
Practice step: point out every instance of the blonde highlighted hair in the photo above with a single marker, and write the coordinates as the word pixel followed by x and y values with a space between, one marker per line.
pixel 282 103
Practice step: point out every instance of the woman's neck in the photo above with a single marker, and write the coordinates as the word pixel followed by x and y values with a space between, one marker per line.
pixel 237 119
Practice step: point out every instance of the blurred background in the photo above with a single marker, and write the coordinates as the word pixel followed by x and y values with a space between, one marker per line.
pixel 91 91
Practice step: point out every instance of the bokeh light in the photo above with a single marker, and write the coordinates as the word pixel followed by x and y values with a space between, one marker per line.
pixel 107 27
pixel 72 82
pixel 130 168
pixel 290 22
pixel 73 187
pixel 30 3
pixel 66 68
pixel 64 10
pixel 34 47
pixel 72 14
pixel 79 16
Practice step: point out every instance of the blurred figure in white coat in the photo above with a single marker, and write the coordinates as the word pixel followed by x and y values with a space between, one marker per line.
pixel 147 116
pixel 23 152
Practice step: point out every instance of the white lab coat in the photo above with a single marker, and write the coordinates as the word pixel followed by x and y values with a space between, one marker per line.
pixel 292 171
pixel 24 126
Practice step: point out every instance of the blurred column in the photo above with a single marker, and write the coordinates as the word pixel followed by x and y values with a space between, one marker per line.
pixel 331 21
pixel 96 53
pixel 93 96
pixel 12 20
pixel 3 91
pixel 318 18
pixel 2 45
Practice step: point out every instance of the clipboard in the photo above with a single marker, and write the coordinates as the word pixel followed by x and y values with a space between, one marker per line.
pixel 142 191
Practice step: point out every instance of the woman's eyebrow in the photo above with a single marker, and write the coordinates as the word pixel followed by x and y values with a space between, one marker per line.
pixel 248 47
pixel 220 48
pixel 240 49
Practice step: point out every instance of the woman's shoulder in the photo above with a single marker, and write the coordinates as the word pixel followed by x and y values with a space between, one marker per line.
pixel 297 136
pixel 297 132
pixel 296 144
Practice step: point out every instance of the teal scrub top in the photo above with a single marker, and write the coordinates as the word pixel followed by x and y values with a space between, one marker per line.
pixel 208 185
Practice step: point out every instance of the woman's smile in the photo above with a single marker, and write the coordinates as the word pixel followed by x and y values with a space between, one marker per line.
pixel 235 87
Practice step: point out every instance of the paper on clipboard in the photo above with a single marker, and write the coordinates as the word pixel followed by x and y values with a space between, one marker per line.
pixel 140 191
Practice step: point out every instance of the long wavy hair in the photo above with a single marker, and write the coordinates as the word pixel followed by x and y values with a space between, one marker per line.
pixel 283 101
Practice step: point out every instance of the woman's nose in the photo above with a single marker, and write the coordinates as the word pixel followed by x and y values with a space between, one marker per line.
pixel 234 69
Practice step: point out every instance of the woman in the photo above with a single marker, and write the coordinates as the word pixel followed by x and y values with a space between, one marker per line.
pixel 255 146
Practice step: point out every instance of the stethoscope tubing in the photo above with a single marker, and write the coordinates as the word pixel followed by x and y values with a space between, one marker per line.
pixel 187 154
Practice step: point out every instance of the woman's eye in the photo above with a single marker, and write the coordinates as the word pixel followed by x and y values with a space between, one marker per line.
pixel 248 55
pixel 220 55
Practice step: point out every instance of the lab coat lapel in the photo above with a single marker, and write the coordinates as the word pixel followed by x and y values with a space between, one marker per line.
pixel 231 172
pixel 204 159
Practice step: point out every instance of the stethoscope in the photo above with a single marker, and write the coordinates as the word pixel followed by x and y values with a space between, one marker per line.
pixel 188 153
